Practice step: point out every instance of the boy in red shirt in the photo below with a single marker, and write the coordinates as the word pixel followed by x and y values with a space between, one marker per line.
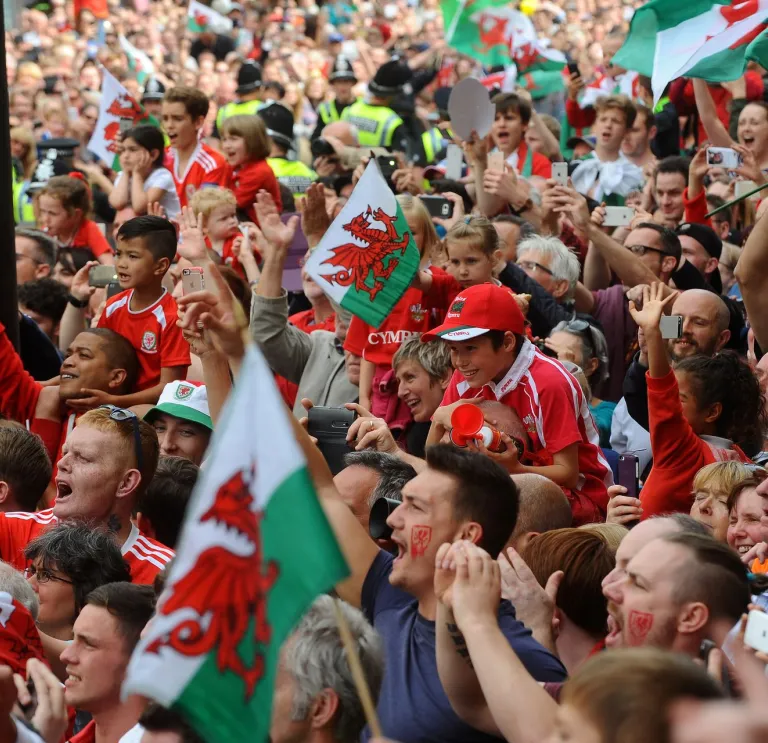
pixel 145 313
pixel 485 330
pixel 194 165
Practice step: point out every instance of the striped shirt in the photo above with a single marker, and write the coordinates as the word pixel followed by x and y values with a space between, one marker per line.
pixel 556 415
pixel 146 557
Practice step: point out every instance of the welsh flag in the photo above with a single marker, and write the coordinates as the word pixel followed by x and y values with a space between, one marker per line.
pixel 541 83
pixel 116 104
pixel 255 551
pixel 368 257
pixel 138 62
pixel 494 33
pixel 200 17
pixel 697 38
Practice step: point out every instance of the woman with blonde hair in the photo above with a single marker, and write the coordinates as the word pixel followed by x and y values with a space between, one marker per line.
pixel 24 149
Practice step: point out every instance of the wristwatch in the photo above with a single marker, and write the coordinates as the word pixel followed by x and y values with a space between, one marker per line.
pixel 80 304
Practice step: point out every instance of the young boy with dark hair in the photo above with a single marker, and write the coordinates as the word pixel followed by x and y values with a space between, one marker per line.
pixel 485 331
pixel 194 165
pixel 145 313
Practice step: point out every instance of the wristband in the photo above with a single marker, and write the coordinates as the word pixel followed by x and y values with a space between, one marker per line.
pixel 80 304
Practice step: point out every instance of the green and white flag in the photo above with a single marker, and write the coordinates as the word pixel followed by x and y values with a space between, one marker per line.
pixel 116 107
pixel 202 18
pixel 494 33
pixel 541 83
pixel 138 61
pixel 256 549
pixel 698 38
pixel 368 257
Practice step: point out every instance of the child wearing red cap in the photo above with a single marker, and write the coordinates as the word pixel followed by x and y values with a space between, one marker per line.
pixel 493 359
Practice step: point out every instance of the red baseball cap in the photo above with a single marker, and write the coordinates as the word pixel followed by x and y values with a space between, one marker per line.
pixel 478 309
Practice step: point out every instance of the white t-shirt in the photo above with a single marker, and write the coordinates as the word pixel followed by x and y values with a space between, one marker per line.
pixel 162 178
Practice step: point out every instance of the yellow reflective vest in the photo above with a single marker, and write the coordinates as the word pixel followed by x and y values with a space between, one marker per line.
pixel 376 125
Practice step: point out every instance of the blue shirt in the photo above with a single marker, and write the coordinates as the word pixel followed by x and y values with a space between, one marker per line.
pixel 413 707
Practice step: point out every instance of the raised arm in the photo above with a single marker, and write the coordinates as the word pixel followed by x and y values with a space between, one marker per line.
pixel 752 274
pixel 716 131
pixel 486 683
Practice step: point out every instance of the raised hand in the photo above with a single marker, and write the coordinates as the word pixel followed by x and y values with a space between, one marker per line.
pixel 315 220
pixel 276 234
pixel 192 245
pixel 154 209
pixel 622 508
pixel 80 288
pixel 458 211
pixel 654 303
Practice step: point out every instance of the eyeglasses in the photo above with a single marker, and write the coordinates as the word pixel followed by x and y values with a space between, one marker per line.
pixel 532 266
pixel 121 414
pixel 19 256
pixel 641 250
pixel 43 576
pixel 577 325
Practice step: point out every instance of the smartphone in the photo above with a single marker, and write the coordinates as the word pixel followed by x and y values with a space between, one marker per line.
pixel 573 69
pixel 113 288
pixel 756 635
pixel 454 162
pixel 629 474
pixel 125 124
pixel 724 157
pixel 101 276
pixel 618 216
pixel 438 206
pixel 246 239
pixel 560 173
pixel 671 326
pixel 329 426
pixel 496 161
pixel 30 709
pixel 388 165
pixel 192 279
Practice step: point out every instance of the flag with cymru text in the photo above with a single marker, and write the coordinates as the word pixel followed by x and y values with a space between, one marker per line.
pixel 117 111
pixel 368 257
pixel 699 38
pixel 256 549
pixel 494 33
pixel 202 18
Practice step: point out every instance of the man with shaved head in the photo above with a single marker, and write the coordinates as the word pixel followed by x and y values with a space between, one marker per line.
pixel 543 507
pixel 704 331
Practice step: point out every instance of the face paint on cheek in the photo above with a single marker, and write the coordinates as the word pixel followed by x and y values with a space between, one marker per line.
pixel 421 536
pixel 640 623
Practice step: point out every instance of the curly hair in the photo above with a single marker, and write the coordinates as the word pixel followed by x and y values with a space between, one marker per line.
pixel 724 378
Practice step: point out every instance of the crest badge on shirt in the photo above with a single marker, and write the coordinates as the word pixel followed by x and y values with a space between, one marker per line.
pixel 149 342
pixel 418 313
pixel 190 191
pixel 183 391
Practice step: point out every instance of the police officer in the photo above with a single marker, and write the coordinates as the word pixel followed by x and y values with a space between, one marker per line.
pixel 343 80
pixel 377 124
pixel 436 139
pixel 248 94
pixel 152 97
pixel 293 174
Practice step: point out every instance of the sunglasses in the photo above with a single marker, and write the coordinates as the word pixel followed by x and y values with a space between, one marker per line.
pixel 121 414
pixel 641 250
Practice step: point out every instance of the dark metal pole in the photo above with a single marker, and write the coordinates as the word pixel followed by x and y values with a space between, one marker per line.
pixel 9 309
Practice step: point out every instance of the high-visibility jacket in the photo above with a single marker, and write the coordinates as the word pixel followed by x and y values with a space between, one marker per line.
pixel 23 209
pixel 376 125
pixel 293 174
pixel 237 109
pixel 433 141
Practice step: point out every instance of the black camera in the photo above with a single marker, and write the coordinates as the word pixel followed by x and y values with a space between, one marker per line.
pixel 380 512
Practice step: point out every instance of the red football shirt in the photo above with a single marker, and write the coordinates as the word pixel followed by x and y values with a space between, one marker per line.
pixel 89 236
pixel 555 414
pixel 248 179
pixel 145 556
pixel 414 314
pixel 152 332
pixel 206 167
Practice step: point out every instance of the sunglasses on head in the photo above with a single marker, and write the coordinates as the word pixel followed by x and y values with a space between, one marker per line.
pixel 121 414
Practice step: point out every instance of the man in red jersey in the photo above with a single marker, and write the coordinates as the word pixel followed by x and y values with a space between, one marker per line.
pixel 194 165
pixel 485 331
pixel 107 461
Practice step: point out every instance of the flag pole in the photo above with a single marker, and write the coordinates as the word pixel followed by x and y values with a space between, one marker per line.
pixel 455 21
pixel 736 200
pixel 363 691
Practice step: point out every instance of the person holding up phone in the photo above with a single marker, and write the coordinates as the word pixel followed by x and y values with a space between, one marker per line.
pixel 706 409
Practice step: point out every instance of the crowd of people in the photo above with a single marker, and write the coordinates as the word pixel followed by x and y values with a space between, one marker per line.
pixel 553 500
